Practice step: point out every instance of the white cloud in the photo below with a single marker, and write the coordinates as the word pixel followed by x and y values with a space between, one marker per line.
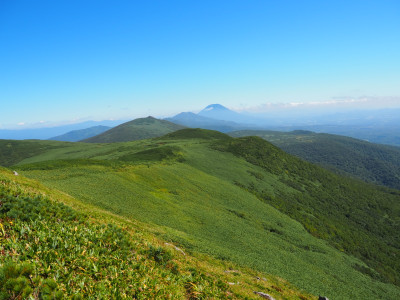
pixel 21 124
pixel 334 103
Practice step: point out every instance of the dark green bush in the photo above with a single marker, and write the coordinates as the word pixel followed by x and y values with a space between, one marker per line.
pixel 160 255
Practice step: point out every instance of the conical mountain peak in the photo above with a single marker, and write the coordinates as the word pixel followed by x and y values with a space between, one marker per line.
pixel 216 107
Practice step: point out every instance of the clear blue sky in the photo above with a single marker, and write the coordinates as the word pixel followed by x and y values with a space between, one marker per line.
pixel 65 60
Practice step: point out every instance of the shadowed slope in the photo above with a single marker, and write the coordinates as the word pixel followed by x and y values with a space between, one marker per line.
pixel 77 135
pixel 379 164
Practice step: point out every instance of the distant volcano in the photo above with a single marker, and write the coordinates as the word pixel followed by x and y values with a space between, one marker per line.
pixel 219 112
pixel 215 107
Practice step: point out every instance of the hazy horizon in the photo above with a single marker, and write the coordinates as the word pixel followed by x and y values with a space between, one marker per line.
pixel 70 61
pixel 283 110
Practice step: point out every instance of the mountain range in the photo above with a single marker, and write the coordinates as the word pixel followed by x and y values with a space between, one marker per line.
pixel 367 161
pixel 379 126
pixel 370 162
pixel 200 214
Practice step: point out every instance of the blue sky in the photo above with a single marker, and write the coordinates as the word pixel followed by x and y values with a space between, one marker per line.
pixel 79 60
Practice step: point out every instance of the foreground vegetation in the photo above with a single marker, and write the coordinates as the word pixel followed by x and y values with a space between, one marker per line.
pixel 50 251
pixel 213 194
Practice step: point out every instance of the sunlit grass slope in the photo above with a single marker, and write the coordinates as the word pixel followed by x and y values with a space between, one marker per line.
pixel 52 251
pixel 208 195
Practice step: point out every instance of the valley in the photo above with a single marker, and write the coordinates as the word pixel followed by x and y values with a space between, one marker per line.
pixel 376 163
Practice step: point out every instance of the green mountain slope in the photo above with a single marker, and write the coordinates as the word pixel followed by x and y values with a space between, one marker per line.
pixel 242 200
pixel 137 129
pixel 195 133
pixel 12 151
pixel 77 135
pixel 379 164
pixel 52 251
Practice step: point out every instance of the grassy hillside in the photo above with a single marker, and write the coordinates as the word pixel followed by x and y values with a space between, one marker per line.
pixel 379 164
pixel 195 133
pixel 232 198
pixel 77 135
pixel 12 151
pixel 137 129
pixel 353 216
pixel 51 251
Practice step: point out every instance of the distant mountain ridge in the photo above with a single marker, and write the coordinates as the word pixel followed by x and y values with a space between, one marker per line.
pixel 376 163
pixel 45 133
pixel 216 117
pixel 138 129
pixel 193 120
pixel 77 135
pixel 378 126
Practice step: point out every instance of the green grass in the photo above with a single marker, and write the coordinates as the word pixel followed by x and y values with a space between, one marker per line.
pixel 50 251
pixel 361 219
pixel 12 152
pixel 195 133
pixel 214 201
